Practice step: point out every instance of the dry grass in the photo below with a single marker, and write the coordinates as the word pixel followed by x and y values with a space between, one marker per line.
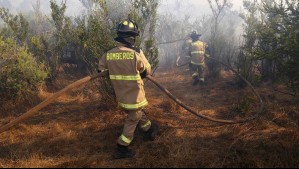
pixel 79 131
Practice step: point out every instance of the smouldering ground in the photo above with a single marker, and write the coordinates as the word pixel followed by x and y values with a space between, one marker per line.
pixel 80 131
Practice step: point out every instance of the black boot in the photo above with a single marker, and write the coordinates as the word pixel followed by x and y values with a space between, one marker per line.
pixel 151 134
pixel 202 83
pixel 123 152
pixel 195 82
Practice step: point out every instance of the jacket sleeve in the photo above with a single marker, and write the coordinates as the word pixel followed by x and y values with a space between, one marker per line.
pixel 103 64
pixel 190 49
pixel 207 50
pixel 143 65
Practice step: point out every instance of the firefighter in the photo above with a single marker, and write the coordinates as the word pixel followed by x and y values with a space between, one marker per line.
pixel 127 67
pixel 197 51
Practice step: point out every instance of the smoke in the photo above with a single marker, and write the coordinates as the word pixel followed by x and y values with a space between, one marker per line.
pixel 176 19
pixel 74 7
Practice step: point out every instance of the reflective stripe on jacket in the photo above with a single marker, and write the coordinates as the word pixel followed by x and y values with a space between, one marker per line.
pixel 125 65
pixel 197 50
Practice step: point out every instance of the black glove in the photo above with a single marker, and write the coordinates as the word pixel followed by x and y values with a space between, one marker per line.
pixel 208 49
pixel 143 74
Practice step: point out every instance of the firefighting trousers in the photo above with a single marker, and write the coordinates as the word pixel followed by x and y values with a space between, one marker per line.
pixel 198 72
pixel 134 118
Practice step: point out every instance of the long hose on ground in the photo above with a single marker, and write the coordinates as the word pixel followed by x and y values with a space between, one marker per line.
pixel 78 83
pixel 51 99
pixel 261 109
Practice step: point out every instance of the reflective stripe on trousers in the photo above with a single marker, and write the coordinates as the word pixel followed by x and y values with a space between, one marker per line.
pixel 133 106
pixel 146 126
pixel 198 52
pixel 134 118
pixel 125 139
pixel 199 64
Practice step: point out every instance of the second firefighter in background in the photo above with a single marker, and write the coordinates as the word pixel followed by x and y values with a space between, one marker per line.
pixel 197 51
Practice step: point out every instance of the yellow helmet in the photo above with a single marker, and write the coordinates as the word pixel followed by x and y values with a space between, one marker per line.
pixel 194 35
pixel 127 28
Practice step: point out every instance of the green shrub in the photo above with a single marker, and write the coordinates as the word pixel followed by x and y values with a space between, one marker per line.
pixel 21 76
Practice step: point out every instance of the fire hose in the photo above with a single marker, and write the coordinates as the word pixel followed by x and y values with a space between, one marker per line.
pixel 183 64
pixel 261 108
pixel 80 82
pixel 51 99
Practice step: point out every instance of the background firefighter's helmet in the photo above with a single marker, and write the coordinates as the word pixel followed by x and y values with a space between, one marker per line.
pixel 127 28
pixel 195 35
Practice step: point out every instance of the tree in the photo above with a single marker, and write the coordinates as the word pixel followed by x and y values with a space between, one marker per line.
pixel 93 33
pixel 245 63
pixel 61 35
pixel 20 78
pixel 144 12
pixel 219 9
pixel 271 40
pixel 17 23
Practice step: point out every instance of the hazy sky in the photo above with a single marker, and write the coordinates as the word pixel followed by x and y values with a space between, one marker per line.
pixel 192 7
pixel 74 7
pixel 189 7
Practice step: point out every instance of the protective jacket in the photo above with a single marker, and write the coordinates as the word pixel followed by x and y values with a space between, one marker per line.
pixel 125 66
pixel 186 47
pixel 197 52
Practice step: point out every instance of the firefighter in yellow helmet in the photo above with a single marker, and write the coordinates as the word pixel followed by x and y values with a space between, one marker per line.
pixel 197 51
pixel 127 67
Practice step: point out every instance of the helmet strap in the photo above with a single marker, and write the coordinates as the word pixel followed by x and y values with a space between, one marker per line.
pixel 196 38
pixel 128 41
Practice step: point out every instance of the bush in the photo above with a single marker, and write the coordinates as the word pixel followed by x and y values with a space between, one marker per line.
pixel 21 76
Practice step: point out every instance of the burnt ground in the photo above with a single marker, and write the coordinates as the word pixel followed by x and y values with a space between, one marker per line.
pixel 81 131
